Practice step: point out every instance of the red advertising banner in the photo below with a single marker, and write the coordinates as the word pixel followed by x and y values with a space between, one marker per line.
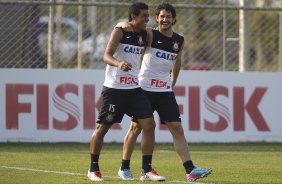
pixel 62 105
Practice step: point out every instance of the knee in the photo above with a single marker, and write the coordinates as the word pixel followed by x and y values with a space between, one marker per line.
pixel 148 124
pixel 101 130
pixel 135 129
pixel 176 129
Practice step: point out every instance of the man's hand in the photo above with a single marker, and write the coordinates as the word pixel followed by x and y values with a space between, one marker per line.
pixel 126 26
pixel 124 66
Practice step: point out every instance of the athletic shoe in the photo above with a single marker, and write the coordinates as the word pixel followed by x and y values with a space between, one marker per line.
pixel 95 176
pixel 125 174
pixel 152 175
pixel 197 173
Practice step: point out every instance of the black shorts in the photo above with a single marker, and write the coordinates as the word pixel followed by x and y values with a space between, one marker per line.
pixel 165 104
pixel 117 102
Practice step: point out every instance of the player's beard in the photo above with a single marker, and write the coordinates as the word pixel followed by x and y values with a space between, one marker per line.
pixel 166 27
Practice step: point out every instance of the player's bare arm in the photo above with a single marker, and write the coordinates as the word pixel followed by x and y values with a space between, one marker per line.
pixel 126 26
pixel 149 40
pixel 149 36
pixel 113 43
pixel 176 67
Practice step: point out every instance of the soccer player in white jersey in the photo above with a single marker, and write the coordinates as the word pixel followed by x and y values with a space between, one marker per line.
pixel 159 72
pixel 122 94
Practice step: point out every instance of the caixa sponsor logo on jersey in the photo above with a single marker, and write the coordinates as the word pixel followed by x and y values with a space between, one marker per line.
pixel 166 56
pixel 133 50
pixel 47 103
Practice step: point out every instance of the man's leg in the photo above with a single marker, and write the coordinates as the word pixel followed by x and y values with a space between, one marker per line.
pixel 96 144
pixel 181 146
pixel 148 135
pixel 130 140
pixel 128 147
pixel 179 141
pixel 147 145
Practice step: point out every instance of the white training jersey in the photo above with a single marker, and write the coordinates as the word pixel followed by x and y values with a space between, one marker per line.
pixel 130 50
pixel 158 61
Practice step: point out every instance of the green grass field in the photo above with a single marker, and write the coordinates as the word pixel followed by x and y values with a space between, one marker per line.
pixel 54 163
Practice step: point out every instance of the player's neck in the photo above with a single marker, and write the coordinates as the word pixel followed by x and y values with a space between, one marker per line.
pixel 134 28
pixel 167 32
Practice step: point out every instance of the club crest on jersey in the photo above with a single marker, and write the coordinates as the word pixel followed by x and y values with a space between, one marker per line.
pixel 140 40
pixel 175 46
pixel 109 117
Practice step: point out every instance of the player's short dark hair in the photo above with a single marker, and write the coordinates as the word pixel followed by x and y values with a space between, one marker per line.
pixel 168 7
pixel 136 8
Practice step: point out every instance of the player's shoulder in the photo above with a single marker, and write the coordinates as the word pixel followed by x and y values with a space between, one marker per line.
pixel 177 35
pixel 179 38
pixel 126 29
pixel 117 30
pixel 122 32
pixel 116 34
